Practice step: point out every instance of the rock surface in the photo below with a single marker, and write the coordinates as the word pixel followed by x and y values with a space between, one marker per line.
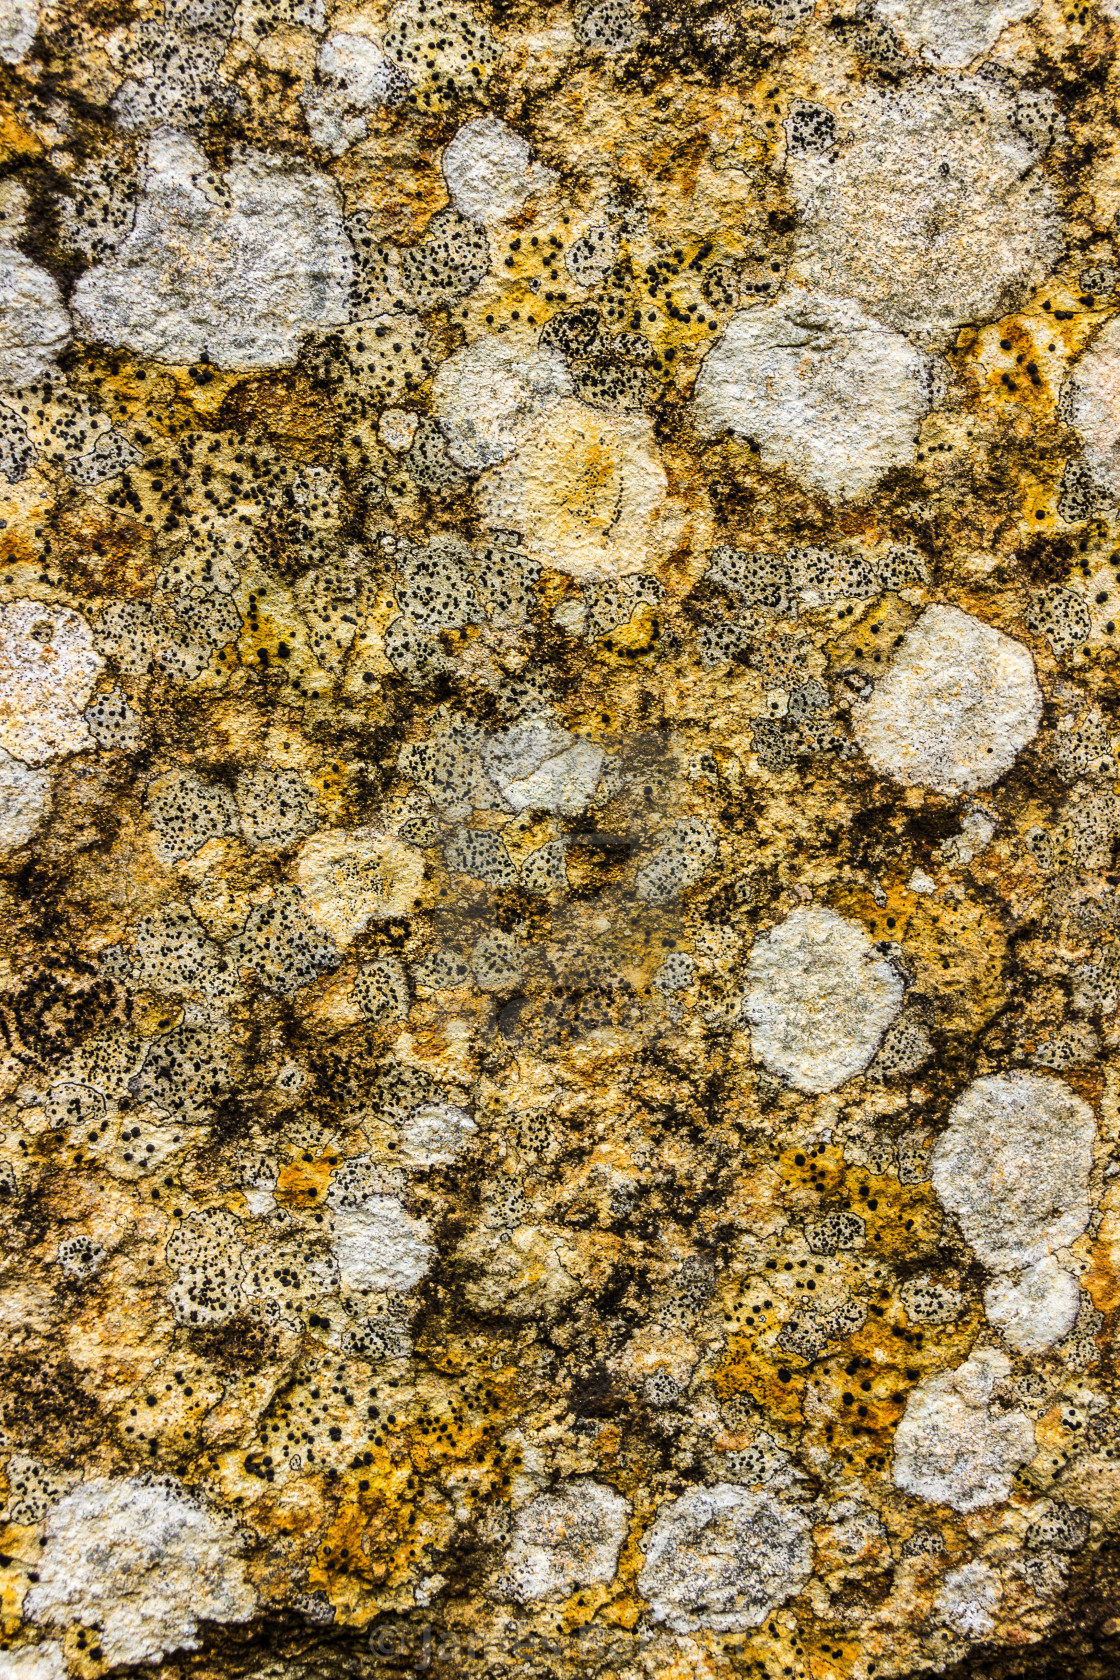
pixel 559 834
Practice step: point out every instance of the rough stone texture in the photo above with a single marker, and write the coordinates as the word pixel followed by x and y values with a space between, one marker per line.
pixel 559 840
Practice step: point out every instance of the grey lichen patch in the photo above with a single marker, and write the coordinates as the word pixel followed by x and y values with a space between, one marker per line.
pixel 268 261
pixel 563 1540
pixel 819 998
pixel 186 811
pixel 723 1557
pixel 828 391
pixel 36 326
pixel 956 705
pixel 953 1446
pixel 1013 1167
pixel 25 799
pixel 973 220
pixel 48 666
pixel 145 1560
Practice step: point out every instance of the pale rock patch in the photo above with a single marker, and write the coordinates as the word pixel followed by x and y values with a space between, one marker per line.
pixel 489 171
pixel 19 24
pixel 34 1662
pixel 513 753
pixel 722 1558
pixel 489 395
pixel 354 76
pixel 351 877
pixel 379 1245
pixel 48 666
pixel 240 274
pixel 358 66
pixel 957 704
pixel 969 1599
pixel 1033 1309
pixel 34 324
pixel 951 33
pixel 1013 1166
pixel 563 784
pixel 397 428
pixel 435 1134
pixel 586 490
pixel 565 1539
pixel 25 799
pixel 819 998
pixel 142 1560
pixel 931 211
pixel 826 391
pixel 1091 399
pixel 952 1447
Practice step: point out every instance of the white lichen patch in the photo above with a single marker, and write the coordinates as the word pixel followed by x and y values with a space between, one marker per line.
pixel 238 271
pixel 824 389
pixel 722 1557
pixel 360 67
pixel 490 172
pixel 377 1244
pixel 819 998
pixel 969 1599
pixel 489 396
pixel 34 324
pixel 25 799
pixel 949 33
pixel 586 490
pixel 1092 400
pixel 351 877
pixel 435 1134
pixel 565 1539
pixel 19 23
pixel 953 1446
pixel 957 704
pixel 34 1662
pixel 48 666
pixel 536 765
pixel 931 212
pixel 142 1561
pixel 1013 1167
pixel 1035 1308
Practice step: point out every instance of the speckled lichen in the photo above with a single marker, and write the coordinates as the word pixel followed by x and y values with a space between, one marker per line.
pixel 559 825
